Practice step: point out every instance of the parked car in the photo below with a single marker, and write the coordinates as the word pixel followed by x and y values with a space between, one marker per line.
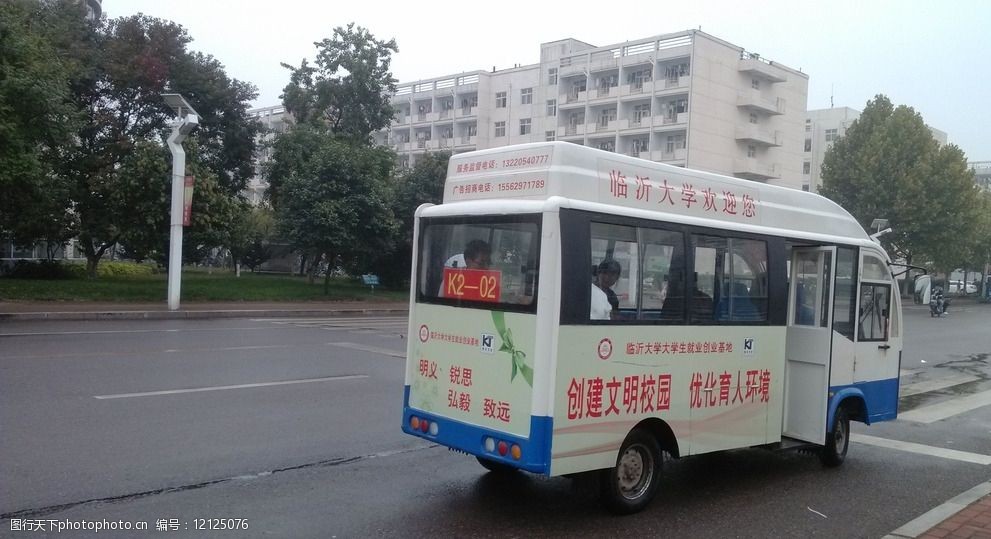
pixel 957 287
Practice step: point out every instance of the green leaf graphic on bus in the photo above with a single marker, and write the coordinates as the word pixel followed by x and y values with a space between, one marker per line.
pixel 518 357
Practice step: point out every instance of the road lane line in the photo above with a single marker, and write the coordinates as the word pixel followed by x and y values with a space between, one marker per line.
pixel 910 447
pixel 224 388
pixel 935 385
pixel 229 348
pixel 372 349
pixel 112 331
pixel 943 410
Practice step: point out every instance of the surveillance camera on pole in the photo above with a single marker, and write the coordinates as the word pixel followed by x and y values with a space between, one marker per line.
pixel 186 120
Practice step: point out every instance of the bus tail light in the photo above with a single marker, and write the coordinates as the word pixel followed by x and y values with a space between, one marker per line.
pixel 516 452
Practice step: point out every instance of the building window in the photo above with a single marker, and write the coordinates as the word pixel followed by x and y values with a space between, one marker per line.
pixel 755 84
pixel 808 126
pixel 808 145
pixel 500 129
pixel 525 126
pixel 552 107
pixel 550 136
pixel 675 142
pixel 807 167
pixel 753 118
pixel 552 76
pixel 751 150
pixel 831 135
pixel 526 96
pixel 500 100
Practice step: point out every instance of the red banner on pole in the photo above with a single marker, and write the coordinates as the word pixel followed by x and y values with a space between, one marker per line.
pixel 187 201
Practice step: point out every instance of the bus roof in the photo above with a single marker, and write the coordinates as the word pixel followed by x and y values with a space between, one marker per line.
pixel 541 170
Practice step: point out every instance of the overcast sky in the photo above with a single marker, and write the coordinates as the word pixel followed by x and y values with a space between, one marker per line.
pixel 932 55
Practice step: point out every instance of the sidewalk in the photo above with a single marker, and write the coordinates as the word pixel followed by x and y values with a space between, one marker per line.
pixel 967 516
pixel 56 310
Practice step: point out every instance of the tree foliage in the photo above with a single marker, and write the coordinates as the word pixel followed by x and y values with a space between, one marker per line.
pixel 336 203
pixel 329 186
pixel 422 183
pixel 108 175
pixel 348 88
pixel 889 166
pixel 36 119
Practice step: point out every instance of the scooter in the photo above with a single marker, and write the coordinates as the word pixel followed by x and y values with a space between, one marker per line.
pixel 938 303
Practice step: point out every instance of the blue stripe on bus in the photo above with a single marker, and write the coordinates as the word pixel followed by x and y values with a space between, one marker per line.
pixel 880 399
pixel 536 449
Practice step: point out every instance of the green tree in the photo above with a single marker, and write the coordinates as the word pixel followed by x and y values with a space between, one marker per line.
pixel 119 69
pixel 348 90
pixel 36 118
pixel 336 203
pixel 250 237
pixel 328 185
pixel 889 166
pixel 420 184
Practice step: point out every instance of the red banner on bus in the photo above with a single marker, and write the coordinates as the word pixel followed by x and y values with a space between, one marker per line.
pixel 472 284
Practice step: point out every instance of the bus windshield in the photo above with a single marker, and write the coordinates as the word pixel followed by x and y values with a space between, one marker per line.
pixel 489 263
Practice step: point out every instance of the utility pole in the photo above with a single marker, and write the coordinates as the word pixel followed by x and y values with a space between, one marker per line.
pixel 186 120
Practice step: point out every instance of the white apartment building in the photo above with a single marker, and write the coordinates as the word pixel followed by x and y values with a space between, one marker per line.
pixel 687 99
pixel 822 127
pixel 982 173
pixel 274 120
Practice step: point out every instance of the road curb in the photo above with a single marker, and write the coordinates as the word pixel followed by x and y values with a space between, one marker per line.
pixel 196 315
pixel 934 517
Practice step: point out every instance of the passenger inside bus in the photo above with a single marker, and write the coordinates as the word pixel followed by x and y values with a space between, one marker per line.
pixel 674 303
pixel 605 303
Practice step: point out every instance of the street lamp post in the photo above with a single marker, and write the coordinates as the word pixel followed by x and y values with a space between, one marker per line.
pixel 186 120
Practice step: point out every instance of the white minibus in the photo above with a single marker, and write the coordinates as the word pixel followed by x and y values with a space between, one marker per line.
pixel 575 310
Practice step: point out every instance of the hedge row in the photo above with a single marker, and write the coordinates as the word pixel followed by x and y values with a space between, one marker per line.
pixel 44 269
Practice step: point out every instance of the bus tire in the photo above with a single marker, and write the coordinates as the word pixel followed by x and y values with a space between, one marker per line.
pixel 495 466
pixel 630 485
pixel 833 453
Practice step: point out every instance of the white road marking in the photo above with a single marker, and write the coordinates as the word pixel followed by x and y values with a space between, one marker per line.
pixel 229 348
pixel 921 449
pixel 943 410
pixel 112 331
pixel 934 385
pixel 223 388
pixel 373 349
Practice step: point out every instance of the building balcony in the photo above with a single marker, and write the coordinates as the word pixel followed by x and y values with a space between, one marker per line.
pixel 667 121
pixel 571 67
pixel 444 143
pixel 467 140
pixel 572 99
pixel 637 89
pixel 571 130
pixel 465 112
pixel 610 92
pixel 422 144
pixel 401 120
pixel 678 83
pixel 764 70
pixel 751 168
pixel 753 134
pixel 402 146
pixel 638 154
pixel 445 114
pixel 753 100
pixel 601 126
pixel 617 125
pixel 643 122
pixel 678 154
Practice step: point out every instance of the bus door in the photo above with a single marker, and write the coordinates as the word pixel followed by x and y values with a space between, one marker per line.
pixel 879 344
pixel 808 339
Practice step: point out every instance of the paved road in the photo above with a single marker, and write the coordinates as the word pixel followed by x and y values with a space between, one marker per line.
pixel 141 421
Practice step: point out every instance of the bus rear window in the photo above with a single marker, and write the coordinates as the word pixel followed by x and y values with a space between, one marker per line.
pixel 487 263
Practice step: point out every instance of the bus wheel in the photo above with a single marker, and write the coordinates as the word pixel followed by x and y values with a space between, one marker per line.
pixel 495 467
pixel 632 483
pixel 837 440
